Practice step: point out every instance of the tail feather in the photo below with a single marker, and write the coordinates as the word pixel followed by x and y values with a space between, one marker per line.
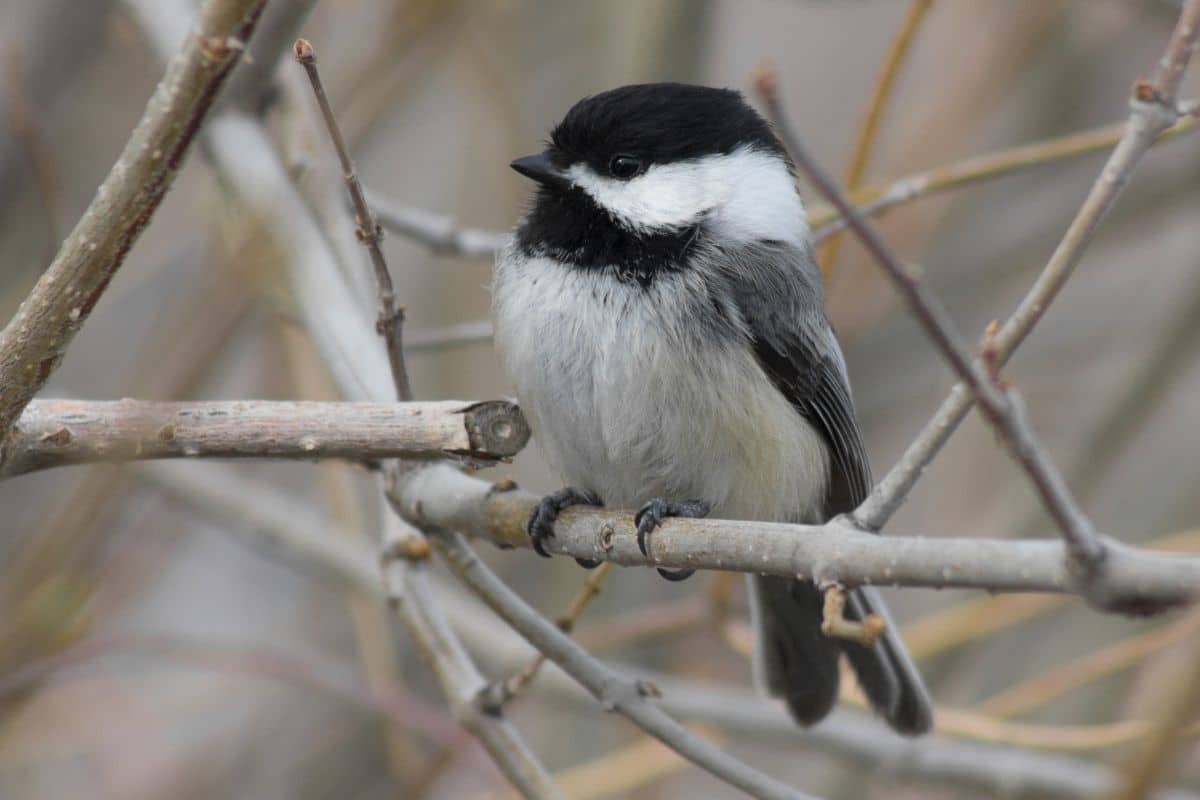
pixel 795 661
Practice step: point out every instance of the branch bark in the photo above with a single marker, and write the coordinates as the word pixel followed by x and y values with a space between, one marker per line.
pixel 55 433
pixel 34 341
pixel 835 552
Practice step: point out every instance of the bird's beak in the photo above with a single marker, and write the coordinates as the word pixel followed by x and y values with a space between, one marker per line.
pixel 541 169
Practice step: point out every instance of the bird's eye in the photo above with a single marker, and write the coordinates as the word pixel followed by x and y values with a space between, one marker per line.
pixel 625 167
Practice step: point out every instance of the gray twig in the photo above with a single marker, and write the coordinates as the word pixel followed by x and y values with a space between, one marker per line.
pixel 438 232
pixel 34 341
pixel 837 551
pixel 627 696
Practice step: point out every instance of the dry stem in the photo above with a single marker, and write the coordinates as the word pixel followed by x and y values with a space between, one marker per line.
pixel 869 127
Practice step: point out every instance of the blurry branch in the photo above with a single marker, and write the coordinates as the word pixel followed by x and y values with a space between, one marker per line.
pixel 875 199
pixel 630 767
pixel 24 124
pixel 1178 700
pixel 55 433
pixel 836 551
pixel 1038 691
pixel 252 86
pixel 502 691
pixel 632 698
pixel 33 343
pixel 438 232
pixel 1004 771
pixel 402 710
pixel 1146 122
pixel 868 128
pixel 437 339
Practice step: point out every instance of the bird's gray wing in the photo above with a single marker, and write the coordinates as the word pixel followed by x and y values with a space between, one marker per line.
pixel 780 304
pixel 795 346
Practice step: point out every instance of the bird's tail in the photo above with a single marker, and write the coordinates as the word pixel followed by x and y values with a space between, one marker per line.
pixel 795 661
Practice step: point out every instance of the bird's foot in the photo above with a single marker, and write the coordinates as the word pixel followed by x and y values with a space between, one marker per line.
pixel 541 521
pixel 652 514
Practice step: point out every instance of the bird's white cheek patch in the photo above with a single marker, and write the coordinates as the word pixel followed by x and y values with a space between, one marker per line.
pixel 664 197
pixel 747 195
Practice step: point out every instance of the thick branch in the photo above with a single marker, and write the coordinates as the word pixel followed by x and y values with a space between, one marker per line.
pixel 836 551
pixel 33 343
pixel 56 433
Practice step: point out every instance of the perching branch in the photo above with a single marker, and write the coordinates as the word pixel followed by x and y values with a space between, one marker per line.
pixel 34 341
pixel 836 552
pixel 55 433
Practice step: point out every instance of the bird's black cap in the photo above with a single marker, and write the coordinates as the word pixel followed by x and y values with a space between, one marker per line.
pixel 658 123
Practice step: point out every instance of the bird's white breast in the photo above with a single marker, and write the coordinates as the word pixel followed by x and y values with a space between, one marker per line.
pixel 628 397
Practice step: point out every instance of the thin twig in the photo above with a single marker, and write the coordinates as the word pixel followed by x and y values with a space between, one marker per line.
pixel 503 691
pixel 1038 691
pixel 860 154
pixel 873 200
pixel 626 696
pixel 1178 700
pixel 834 623
pixel 56 433
pixel 35 340
pixel 438 232
pixel 437 339
pixel 1146 122
pixel 390 321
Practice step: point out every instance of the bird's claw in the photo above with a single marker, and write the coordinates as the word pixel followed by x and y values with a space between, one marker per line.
pixel 652 514
pixel 541 521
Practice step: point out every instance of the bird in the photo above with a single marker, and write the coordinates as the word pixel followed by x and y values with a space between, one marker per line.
pixel 660 315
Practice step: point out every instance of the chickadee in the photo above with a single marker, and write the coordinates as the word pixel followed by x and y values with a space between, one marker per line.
pixel 662 320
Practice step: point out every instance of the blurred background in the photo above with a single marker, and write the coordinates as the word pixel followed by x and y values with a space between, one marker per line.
pixel 146 652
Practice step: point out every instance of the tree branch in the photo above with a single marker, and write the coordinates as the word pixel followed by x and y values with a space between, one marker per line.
pixel 869 125
pixel 438 232
pixel 837 551
pixel 874 200
pixel 626 696
pixel 56 433
pixel 33 343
